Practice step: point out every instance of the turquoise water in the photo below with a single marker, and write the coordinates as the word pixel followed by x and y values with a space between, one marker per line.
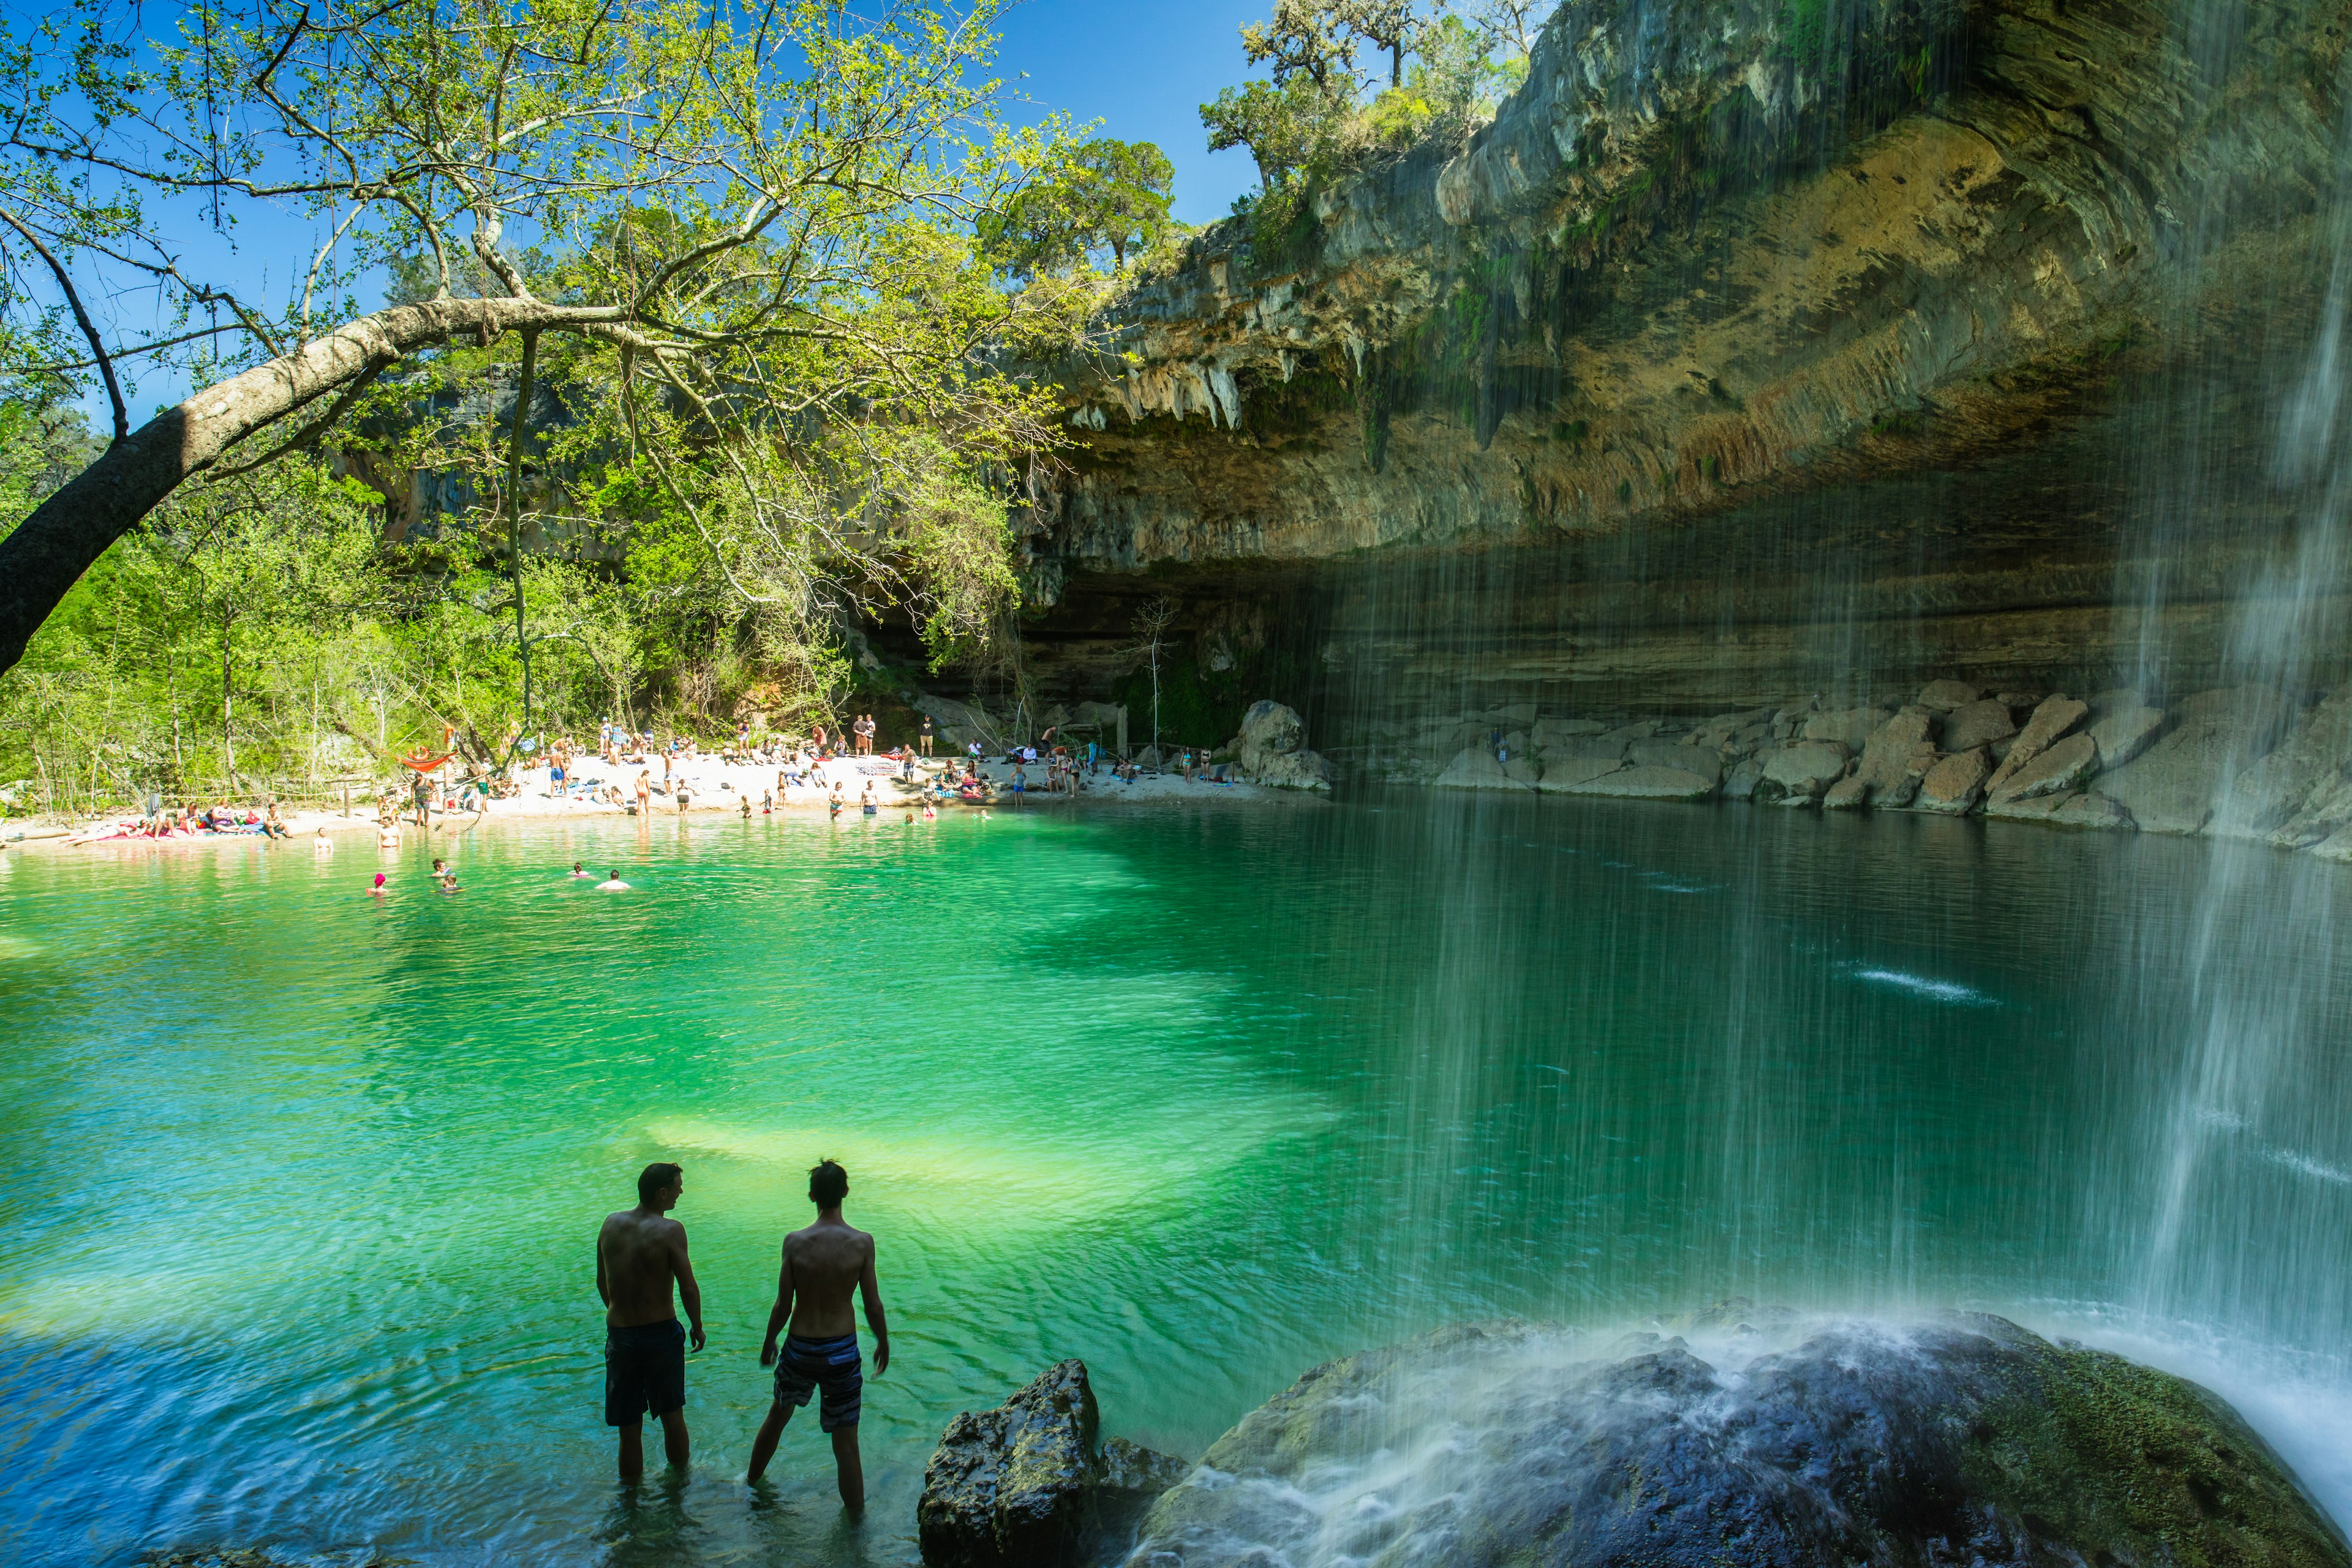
pixel 306 1183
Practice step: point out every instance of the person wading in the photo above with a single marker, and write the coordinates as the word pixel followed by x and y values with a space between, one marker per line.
pixel 639 1253
pixel 823 1265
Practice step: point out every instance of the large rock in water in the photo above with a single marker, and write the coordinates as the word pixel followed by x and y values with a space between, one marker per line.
pixel 1024 1485
pixel 1963 1440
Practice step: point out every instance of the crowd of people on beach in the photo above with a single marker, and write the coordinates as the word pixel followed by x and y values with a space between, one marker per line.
pixel 638 774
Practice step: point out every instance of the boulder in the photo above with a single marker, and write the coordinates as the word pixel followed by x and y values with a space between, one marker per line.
pixel 1679 754
pixel 1272 728
pixel 2305 771
pixel 1800 771
pixel 2052 719
pixel 1951 787
pixel 2054 772
pixel 1719 730
pixel 1545 731
pixel 1010 1485
pixel 1271 749
pixel 1023 1484
pixel 1130 1480
pixel 1586 748
pixel 1847 794
pixel 1851 729
pixel 2123 733
pixel 1943 696
pixel 2041 808
pixel 1477 768
pixel 1962 1438
pixel 1886 753
pixel 2092 809
pixel 1976 724
pixel 1741 782
pixel 1566 772
pixel 2172 787
pixel 1648 783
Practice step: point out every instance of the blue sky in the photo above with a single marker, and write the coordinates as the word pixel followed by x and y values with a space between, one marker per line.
pixel 1139 67
pixel 1143 68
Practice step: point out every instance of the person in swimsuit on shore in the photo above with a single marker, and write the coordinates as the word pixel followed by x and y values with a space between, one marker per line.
pixel 640 1253
pixel 823 1265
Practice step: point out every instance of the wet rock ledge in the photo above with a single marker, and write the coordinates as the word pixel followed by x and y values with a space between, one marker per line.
pixel 1747 1440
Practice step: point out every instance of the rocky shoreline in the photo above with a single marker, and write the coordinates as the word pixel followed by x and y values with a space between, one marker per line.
pixel 2243 764
pixel 1734 1438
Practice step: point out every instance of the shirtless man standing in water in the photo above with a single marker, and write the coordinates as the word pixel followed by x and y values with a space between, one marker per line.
pixel 822 1266
pixel 639 1253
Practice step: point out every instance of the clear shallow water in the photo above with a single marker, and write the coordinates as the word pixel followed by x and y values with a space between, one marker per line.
pixel 307 1182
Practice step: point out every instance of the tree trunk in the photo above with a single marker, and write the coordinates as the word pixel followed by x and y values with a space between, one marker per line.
pixel 40 563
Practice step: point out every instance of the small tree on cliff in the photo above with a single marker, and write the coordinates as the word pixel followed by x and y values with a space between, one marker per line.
pixel 764 213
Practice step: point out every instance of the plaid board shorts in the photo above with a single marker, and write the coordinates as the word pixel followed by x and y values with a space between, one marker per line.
pixel 832 1366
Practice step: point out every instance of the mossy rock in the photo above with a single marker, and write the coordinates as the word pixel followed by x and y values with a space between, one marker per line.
pixel 1779 1443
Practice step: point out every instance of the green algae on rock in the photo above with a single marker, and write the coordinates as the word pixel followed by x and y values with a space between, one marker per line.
pixel 1964 1438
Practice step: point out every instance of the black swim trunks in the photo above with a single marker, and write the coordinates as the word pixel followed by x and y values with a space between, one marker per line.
pixel 645 1369
pixel 831 1366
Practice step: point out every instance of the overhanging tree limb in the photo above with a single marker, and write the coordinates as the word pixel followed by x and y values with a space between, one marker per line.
pixel 81 318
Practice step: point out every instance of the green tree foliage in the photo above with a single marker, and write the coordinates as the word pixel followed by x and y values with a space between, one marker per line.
pixel 1315 115
pixel 1108 196
pixel 745 233
pixel 1287 126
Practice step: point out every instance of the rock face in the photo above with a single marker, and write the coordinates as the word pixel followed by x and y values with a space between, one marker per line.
pixel 1024 1486
pixel 1965 1439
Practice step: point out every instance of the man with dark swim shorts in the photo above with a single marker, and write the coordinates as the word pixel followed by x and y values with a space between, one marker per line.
pixel 823 1265
pixel 639 1253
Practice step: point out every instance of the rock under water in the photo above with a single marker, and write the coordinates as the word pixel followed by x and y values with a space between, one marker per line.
pixel 1965 1439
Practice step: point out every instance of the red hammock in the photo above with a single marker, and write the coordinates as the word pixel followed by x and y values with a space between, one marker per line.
pixel 425 764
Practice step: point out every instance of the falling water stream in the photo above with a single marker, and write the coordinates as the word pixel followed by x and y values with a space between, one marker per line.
pixel 306 1181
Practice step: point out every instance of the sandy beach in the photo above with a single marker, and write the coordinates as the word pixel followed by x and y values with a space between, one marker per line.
pixel 714 788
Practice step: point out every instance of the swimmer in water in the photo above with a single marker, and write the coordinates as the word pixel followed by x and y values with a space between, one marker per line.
pixel 577 874
pixel 613 884
pixel 377 890
pixel 320 844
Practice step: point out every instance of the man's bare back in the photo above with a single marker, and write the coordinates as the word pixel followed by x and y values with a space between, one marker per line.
pixel 639 1256
pixel 827 1262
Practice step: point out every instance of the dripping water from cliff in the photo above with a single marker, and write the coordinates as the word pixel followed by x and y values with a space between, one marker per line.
pixel 2246 1227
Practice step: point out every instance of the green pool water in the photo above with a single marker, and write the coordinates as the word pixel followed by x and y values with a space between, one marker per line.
pixel 304 1183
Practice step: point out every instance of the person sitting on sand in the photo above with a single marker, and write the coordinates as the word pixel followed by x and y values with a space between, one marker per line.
pixel 640 1254
pixel 823 1265
pixel 613 884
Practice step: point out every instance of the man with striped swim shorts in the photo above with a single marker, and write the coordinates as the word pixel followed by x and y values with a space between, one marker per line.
pixel 823 1265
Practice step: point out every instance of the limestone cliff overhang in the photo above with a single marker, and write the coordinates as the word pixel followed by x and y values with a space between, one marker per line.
pixel 1708 254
